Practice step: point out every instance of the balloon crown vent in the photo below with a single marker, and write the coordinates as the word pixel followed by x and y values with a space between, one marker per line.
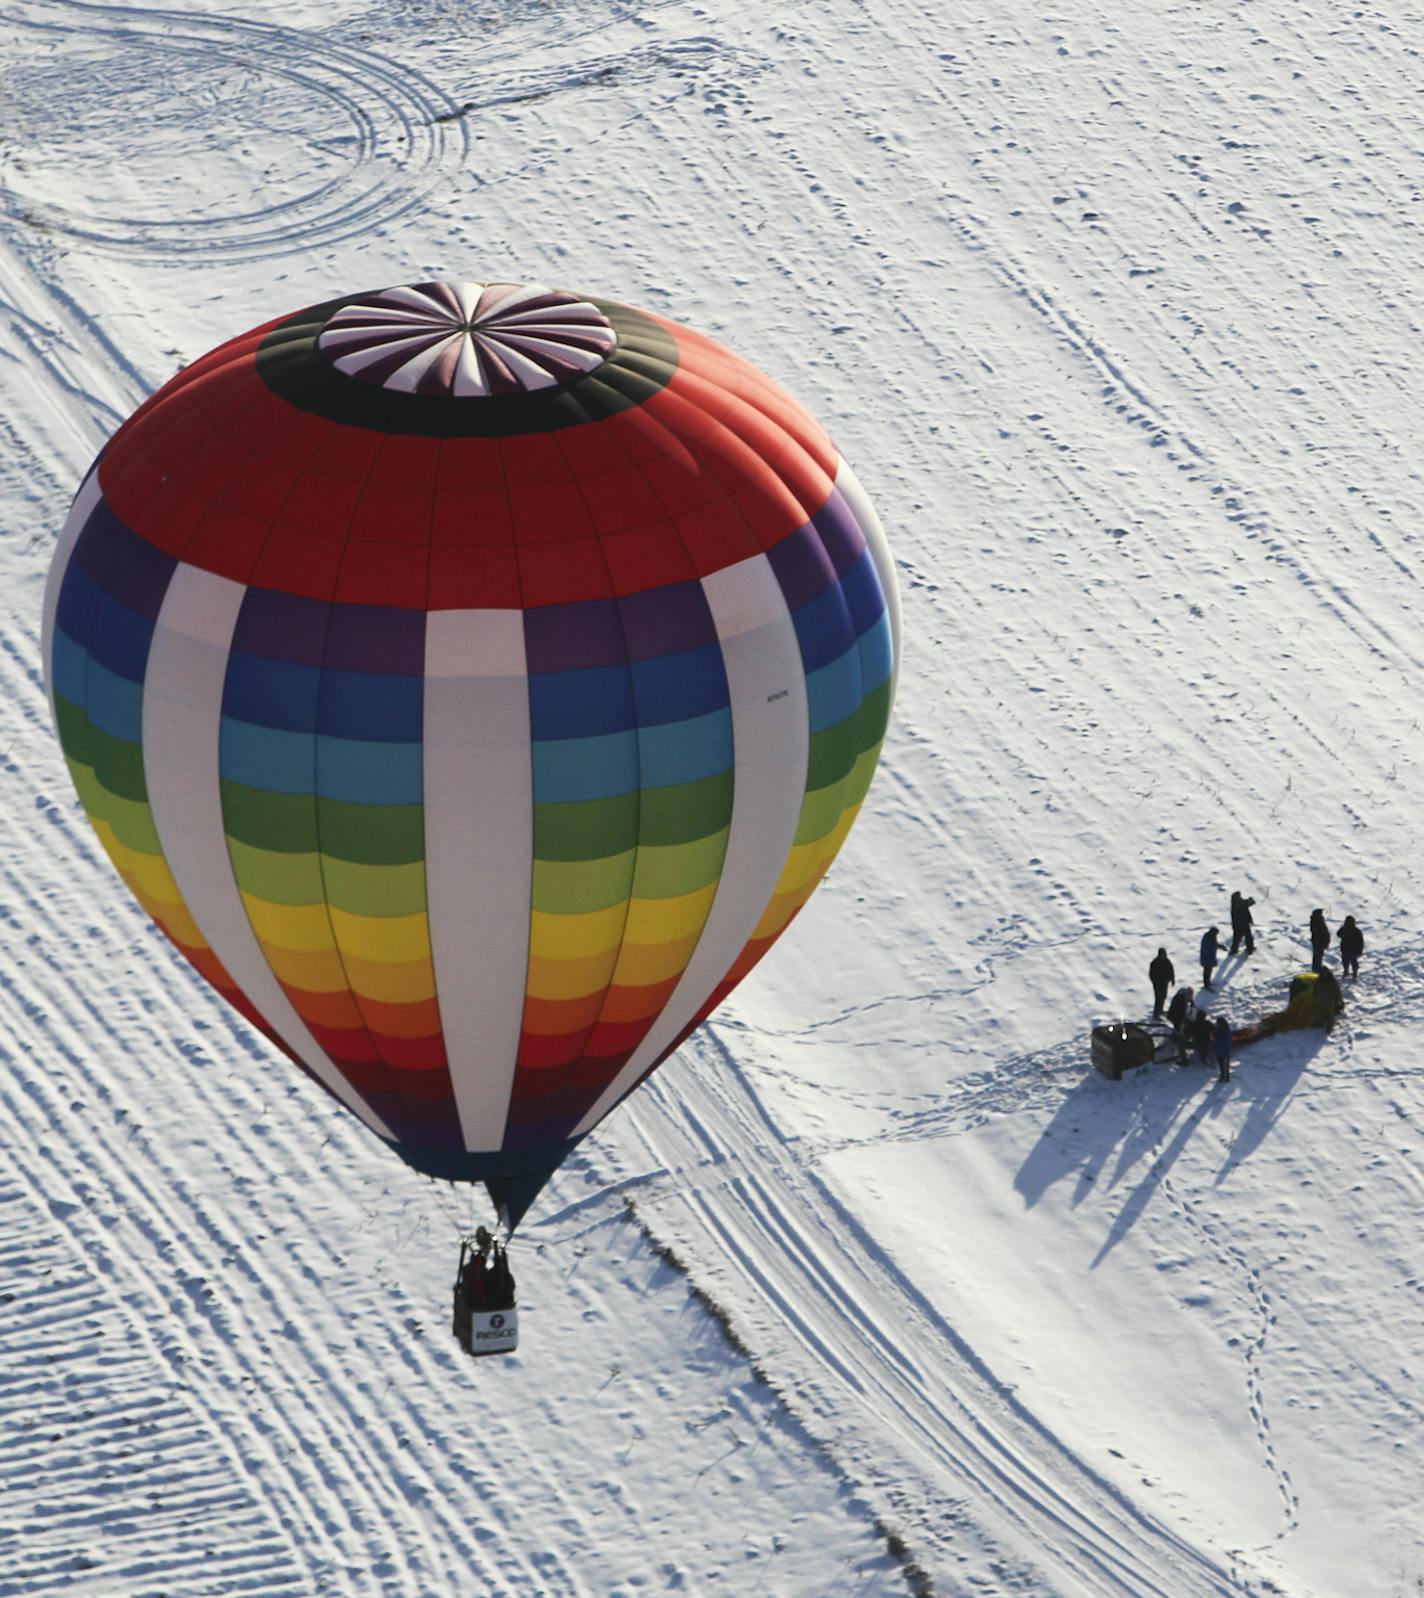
pixel 468 340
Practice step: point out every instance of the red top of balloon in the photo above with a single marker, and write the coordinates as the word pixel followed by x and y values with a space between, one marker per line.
pixel 457 445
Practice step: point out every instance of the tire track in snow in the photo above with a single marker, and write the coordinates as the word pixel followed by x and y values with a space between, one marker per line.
pixel 925 1387
pixel 72 388
pixel 401 132
pixel 91 1421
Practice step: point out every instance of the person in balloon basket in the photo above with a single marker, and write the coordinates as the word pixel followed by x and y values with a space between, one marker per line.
pixel 1319 939
pixel 1241 923
pixel 1352 946
pixel 1222 1039
pixel 1211 952
pixel 475 1277
pixel 501 1279
pixel 1162 976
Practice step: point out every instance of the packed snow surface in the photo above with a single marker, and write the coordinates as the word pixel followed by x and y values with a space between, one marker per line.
pixel 1114 308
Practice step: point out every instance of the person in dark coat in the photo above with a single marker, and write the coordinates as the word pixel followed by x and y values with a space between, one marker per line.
pixel 1319 939
pixel 1352 946
pixel 1179 1013
pixel 1199 1034
pixel 1211 952
pixel 1221 1042
pixel 1162 977
pixel 1241 923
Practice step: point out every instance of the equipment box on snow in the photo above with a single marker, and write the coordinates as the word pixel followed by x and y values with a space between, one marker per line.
pixel 1121 1047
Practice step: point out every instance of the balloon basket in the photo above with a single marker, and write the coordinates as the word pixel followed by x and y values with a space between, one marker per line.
pixel 1123 1046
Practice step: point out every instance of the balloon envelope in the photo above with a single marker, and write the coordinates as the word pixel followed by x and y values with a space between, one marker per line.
pixel 472 681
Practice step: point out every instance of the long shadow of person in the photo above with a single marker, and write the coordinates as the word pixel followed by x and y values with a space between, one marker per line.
pixel 1266 1085
pixel 1105 1133
pixel 1098 1118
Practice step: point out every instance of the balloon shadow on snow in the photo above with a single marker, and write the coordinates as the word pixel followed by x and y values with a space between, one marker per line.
pixel 1105 1131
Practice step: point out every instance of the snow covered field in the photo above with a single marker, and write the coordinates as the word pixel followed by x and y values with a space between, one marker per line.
pixel 1115 310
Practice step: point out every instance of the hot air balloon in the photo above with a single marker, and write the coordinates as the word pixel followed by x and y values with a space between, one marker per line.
pixel 472 681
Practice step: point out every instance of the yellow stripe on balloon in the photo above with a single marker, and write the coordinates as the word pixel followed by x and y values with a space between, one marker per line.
pixel 382 940
pixel 642 964
pixel 392 982
pixel 661 920
pixel 570 979
pixel 805 866
pixel 299 928
pixel 150 870
pixel 309 970
pixel 807 860
pixel 576 937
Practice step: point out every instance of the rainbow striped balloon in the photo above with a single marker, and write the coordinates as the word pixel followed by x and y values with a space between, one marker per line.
pixel 472 681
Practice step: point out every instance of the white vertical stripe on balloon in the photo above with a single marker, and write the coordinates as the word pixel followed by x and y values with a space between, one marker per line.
pixel 182 714
pixel 771 746
pixel 79 513
pixel 479 853
pixel 855 496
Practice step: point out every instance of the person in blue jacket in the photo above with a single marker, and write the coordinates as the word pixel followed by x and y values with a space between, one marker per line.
pixel 1211 952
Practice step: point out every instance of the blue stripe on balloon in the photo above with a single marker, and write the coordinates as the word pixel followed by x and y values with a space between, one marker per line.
pixel 114 704
pixel 692 682
pixel 569 769
pixel 120 640
pixel 266 757
pixel 685 751
pixel 863 593
pixel 271 693
pixel 823 629
pixel 370 772
pixel 578 704
pixel 834 692
pixel 371 705
pixel 877 655
pixel 67 665
pixel 79 597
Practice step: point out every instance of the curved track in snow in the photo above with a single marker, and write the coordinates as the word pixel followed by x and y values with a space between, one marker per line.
pixel 379 134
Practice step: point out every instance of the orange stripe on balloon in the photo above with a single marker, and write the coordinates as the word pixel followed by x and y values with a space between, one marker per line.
pixel 558 1018
pixel 420 1020
pixel 326 1009
pixel 635 1002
